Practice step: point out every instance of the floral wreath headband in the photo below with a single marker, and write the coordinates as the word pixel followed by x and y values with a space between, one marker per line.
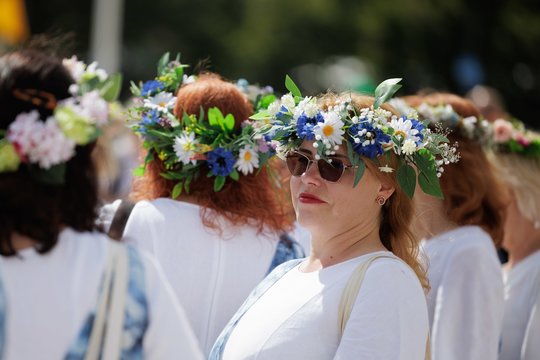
pixel 444 115
pixel 187 145
pixel 512 137
pixel 45 145
pixel 371 132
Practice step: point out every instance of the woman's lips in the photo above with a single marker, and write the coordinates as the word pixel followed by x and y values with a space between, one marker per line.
pixel 307 198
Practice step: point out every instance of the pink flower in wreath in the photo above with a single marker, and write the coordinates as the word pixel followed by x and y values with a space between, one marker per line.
pixel 503 130
pixel 522 140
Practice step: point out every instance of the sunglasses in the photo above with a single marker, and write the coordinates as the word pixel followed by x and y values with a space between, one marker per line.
pixel 298 164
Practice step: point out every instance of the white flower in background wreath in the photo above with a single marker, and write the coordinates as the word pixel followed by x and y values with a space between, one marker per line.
pixel 162 102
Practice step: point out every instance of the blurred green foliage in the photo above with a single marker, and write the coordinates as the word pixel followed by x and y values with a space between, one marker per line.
pixel 262 40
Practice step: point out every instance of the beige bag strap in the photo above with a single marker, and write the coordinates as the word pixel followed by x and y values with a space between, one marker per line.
pixel 109 320
pixel 348 298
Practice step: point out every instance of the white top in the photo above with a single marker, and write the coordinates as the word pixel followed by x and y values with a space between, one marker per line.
pixel 297 318
pixel 211 274
pixel 50 296
pixel 522 290
pixel 466 298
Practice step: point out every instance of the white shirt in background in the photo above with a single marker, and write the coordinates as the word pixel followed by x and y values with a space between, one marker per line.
pixel 466 299
pixel 49 297
pixel 522 289
pixel 297 318
pixel 211 274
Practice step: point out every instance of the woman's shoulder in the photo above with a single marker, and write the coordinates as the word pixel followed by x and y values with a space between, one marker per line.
pixel 391 278
pixel 463 239
pixel 391 267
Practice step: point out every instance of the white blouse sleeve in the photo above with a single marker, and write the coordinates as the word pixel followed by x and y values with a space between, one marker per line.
pixel 467 320
pixel 169 334
pixel 389 319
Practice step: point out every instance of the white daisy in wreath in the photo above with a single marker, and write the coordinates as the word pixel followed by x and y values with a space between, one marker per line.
pixel 248 160
pixel 184 148
pixel 163 102
pixel 330 129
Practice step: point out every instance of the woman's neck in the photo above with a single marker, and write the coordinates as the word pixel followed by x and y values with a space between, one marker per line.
pixel 331 249
pixel 524 247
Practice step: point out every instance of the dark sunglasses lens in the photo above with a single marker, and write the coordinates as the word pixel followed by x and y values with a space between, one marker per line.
pixel 331 171
pixel 297 164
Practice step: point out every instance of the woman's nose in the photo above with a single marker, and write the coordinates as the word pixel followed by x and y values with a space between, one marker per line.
pixel 312 175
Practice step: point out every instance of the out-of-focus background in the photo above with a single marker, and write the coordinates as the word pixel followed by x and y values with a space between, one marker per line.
pixel 449 45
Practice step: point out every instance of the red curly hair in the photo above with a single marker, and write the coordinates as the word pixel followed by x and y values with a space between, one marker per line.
pixel 472 193
pixel 258 200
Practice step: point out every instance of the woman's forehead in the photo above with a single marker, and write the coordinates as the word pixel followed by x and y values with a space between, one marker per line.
pixel 308 148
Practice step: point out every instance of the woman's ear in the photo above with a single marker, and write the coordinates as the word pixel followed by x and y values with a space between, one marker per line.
pixel 386 190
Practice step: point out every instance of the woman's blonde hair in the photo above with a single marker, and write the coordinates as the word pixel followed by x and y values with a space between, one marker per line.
pixel 397 213
pixel 522 175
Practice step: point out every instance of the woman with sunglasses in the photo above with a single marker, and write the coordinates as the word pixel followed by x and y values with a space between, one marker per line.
pixel 343 152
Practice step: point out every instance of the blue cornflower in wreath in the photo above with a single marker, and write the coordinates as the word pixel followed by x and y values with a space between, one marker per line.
pixel 220 161
pixel 152 87
pixel 368 140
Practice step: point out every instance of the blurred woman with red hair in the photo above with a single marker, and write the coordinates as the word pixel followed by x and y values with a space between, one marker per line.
pixel 209 208
pixel 461 234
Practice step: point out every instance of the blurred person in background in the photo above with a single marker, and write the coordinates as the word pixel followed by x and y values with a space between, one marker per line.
pixel 210 205
pixel 54 265
pixel 461 233
pixel 517 160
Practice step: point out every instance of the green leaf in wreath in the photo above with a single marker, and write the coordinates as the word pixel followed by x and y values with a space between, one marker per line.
pixel 291 86
pixel 234 175
pixel 215 117
pixel 110 89
pixel 425 162
pixel 162 63
pixel 385 91
pixel 229 122
pixel 177 190
pixel 138 171
pixel 261 115
pixel 430 185
pixel 219 181
pixel 406 177
pixel 361 167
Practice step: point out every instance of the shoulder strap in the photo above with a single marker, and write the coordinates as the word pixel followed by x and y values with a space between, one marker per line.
pixel 108 323
pixel 263 286
pixel 348 298
pixel 120 219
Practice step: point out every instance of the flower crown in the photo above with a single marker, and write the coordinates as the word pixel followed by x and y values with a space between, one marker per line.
pixel 370 132
pixel 192 143
pixel 471 127
pixel 513 137
pixel 45 145
pixel 260 97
